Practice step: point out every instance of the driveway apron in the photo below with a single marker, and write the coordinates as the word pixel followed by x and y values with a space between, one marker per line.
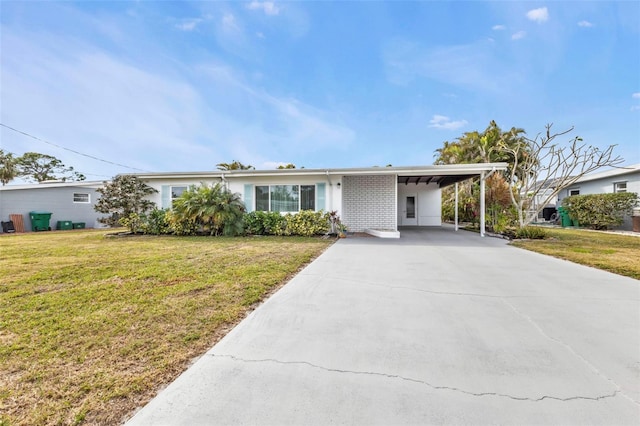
pixel 437 327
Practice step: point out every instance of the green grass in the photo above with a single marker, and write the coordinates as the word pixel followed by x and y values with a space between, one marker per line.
pixel 616 253
pixel 91 327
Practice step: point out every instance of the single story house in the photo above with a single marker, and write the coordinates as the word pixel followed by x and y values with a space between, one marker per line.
pixel 66 201
pixel 620 179
pixel 377 200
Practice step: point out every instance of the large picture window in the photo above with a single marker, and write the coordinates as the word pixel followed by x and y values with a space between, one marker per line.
pixel 285 198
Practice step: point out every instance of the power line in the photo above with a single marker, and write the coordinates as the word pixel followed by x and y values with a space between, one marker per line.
pixel 71 150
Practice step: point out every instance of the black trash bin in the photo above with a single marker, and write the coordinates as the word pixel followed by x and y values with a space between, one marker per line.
pixel 7 227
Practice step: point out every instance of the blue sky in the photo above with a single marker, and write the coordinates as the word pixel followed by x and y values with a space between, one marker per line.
pixel 164 86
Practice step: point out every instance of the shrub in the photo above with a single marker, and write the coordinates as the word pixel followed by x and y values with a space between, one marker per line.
pixel 264 223
pixel 531 233
pixel 600 211
pixel 156 223
pixel 181 226
pixel 307 223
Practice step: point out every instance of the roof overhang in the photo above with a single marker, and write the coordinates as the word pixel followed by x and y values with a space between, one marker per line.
pixel 44 185
pixel 442 174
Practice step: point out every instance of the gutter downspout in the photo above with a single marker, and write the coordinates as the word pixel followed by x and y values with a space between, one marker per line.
pixel 224 181
pixel 329 204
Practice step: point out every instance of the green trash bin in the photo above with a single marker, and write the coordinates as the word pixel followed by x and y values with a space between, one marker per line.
pixel 78 225
pixel 565 220
pixel 64 225
pixel 40 221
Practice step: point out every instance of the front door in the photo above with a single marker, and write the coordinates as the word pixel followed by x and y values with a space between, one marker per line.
pixel 410 210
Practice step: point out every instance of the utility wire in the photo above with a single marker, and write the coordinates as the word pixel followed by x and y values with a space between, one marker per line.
pixel 71 150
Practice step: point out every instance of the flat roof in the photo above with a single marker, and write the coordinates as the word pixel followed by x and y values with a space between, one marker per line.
pixel 408 171
pixel 52 184
pixel 618 171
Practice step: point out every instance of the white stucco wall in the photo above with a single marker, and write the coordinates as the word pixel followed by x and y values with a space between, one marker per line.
pixel 429 201
pixel 605 185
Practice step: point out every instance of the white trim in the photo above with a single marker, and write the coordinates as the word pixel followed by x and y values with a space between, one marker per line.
pixel 82 202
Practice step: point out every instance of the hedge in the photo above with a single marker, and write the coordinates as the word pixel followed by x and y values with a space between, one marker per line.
pixel 600 211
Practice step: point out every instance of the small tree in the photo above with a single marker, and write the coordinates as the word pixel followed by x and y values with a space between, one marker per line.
pixel 287 166
pixel 41 167
pixel 540 169
pixel 8 167
pixel 124 196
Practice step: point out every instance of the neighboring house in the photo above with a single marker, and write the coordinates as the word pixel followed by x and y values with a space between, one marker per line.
pixel 374 199
pixel 67 201
pixel 621 179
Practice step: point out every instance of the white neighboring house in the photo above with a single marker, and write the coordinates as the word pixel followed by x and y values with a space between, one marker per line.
pixel 621 179
pixel 67 201
pixel 377 200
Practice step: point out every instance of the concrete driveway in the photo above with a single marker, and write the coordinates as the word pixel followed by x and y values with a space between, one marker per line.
pixel 435 328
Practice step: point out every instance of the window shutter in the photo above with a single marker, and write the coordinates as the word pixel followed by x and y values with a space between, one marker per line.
pixel 165 194
pixel 248 197
pixel 320 196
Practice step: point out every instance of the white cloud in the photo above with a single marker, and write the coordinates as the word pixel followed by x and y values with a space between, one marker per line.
pixel 229 23
pixel 268 7
pixel 443 122
pixel 475 66
pixel 585 24
pixel 519 35
pixel 499 27
pixel 72 93
pixel 636 95
pixel 188 24
pixel 539 15
pixel 635 108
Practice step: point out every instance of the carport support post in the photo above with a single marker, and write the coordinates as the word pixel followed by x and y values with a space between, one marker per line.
pixel 482 204
pixel 456 211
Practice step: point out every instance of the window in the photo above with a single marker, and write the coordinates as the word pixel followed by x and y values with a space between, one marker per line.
pixel 620 187
pixel 574 192
pixel 176 192
pixel 262 198
pixel 307 197
pixel 285 198
pixel 81 198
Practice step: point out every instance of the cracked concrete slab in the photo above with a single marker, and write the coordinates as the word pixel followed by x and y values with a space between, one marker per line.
pixel 437 327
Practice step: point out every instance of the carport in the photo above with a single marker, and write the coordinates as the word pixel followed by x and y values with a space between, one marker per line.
pixel 442 176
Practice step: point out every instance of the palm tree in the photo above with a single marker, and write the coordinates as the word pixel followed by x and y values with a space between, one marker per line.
pixel 234 165
pixel 214 209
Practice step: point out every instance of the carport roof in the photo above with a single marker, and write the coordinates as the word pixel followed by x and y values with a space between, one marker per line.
pixel 444 175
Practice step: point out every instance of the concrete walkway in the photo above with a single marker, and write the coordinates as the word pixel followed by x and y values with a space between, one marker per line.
pixel 434 328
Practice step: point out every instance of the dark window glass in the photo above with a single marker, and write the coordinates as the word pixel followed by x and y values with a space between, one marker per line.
pixel 307 197
pixel 262 198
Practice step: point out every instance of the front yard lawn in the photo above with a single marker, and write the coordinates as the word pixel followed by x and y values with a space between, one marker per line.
pixel 616 253
pixel 91 327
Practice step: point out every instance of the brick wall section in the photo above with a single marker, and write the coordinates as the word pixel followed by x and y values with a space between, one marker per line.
pixel 369 202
